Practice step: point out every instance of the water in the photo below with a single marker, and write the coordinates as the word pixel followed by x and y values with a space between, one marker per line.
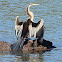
pixel 49 10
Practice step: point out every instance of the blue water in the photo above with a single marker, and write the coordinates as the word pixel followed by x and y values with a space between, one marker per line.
pixel 48 10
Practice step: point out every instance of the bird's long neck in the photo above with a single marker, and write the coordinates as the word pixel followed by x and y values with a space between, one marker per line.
pixel 30 13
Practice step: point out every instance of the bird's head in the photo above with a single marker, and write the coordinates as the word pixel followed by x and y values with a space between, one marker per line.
pixel 32 4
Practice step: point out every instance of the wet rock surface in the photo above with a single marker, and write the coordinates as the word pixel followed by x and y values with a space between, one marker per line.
pixel 29 46
pixel 4 46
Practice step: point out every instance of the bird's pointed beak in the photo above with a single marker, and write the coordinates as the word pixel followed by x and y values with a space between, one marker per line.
pixel 35 4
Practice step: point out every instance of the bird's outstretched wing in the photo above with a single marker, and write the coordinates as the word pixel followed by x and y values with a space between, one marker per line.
pixel 18 27
pixel 35 27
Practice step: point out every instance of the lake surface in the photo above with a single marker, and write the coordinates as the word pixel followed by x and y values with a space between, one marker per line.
pixel 48 10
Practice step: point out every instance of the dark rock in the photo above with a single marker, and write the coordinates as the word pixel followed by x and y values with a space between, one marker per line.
pixel 48 44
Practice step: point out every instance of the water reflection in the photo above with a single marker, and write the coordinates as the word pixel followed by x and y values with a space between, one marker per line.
pixel 29 57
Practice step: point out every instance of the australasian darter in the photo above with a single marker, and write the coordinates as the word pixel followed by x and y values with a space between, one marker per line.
pixel 29 28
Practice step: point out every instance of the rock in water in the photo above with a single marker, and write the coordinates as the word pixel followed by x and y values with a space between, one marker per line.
pixel 4 46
